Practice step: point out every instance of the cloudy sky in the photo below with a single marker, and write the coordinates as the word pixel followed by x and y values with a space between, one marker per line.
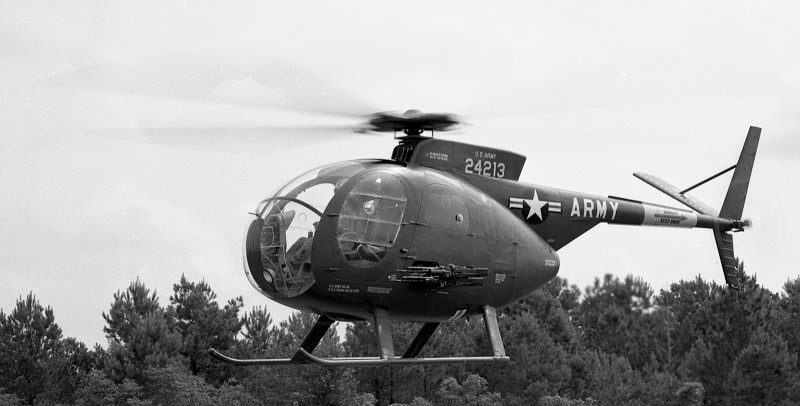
pixel 93 195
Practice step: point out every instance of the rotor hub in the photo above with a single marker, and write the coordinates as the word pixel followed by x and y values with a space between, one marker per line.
pixel 412 123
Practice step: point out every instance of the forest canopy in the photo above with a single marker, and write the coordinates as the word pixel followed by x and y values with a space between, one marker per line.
pixel 615 342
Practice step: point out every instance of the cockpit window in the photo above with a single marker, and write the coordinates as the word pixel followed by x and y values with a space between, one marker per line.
pixel 370 219
pixel 315 187
pixel 443 210
pixel 290 218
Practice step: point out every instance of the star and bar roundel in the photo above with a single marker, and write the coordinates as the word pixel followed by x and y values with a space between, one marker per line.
pixel 534 210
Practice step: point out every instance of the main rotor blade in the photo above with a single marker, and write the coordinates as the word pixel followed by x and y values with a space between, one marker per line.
pixel 231 138
pixel 221 76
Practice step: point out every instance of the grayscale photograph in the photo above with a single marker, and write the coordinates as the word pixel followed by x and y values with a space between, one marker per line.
pixel 399 203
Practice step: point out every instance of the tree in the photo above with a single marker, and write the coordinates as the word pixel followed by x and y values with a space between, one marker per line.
pixel 230 394
pixel 202 324
pixel 418 401
pixel 614 318
pixel 151 344
pixel 615 382
pixel 260 335
pixel 714 324
pixel 301 384
pixel 568 295
pixel 473 391
pixel 538 365
pixel 551 306
pixel 789 304
pixel 174 385
pixel 319 386
pixel 763 373
pixel 391 384
pixel 140 333
pixel 66 369
pixel 690 394
pixel 97 390
pixel 705 364
pixel 128 309
pixel 7 399
pixel 561 401
pixel 665 336
pixel 30 340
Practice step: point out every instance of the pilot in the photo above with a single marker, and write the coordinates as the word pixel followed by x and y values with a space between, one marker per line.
pixel 300 252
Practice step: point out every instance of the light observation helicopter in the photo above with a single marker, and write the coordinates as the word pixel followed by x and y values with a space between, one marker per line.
pixel 441 231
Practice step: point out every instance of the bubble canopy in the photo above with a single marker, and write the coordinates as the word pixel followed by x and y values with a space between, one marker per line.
pixel 278 242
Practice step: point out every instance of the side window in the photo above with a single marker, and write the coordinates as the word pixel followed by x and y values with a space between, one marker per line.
pixel 444 210
pixel 370 219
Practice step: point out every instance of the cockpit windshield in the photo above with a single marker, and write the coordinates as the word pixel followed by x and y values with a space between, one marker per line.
pixel 290 218
pixel 370 218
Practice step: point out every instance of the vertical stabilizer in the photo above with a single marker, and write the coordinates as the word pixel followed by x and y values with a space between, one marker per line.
pixel 737 191
pixel 733 206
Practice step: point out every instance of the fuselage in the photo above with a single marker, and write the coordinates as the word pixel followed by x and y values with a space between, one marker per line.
pixel 433 236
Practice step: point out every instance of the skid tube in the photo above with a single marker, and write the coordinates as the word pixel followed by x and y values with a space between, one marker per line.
pixel 385 347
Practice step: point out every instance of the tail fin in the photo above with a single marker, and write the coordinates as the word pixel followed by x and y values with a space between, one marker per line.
pixel 737 191
pixel 733 206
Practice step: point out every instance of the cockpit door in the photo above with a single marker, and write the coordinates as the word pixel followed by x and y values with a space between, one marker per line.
pixel 289 268
pixel 443 234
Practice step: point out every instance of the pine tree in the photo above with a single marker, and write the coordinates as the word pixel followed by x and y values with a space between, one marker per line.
pixel 396 384
pixel 202 324
pixel 97 390
pixel 723 320
pixel 551 306
pixel 615 382
pixel 614 318
pixel 260 335
pixel 763 373
pixel 230 394
pixel 384 383
pixel 30 341
pixel 790 314
pixel 140 333
pixel 300 384
pixel 175 385
pixel 66 369
pixel 473 391
pixel 128 309
pixel 538 364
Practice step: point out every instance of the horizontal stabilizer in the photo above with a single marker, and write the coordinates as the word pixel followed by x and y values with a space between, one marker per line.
pixel 674 192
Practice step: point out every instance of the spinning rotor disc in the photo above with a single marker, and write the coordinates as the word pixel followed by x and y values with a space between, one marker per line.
pixel 412 122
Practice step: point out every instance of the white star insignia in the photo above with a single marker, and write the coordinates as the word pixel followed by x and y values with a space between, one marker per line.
pixel 536 206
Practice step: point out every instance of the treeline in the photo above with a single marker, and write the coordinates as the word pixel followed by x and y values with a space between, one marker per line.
pixel 616 343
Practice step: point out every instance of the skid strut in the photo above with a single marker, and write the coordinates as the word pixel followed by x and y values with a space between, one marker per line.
pixel 383 333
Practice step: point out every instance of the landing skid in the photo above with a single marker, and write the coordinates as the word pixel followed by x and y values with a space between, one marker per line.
pixel 385 347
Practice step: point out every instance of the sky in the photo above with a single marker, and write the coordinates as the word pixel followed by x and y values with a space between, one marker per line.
pixel 134 142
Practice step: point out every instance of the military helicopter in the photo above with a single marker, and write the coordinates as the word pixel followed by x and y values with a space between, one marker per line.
pixel 441 231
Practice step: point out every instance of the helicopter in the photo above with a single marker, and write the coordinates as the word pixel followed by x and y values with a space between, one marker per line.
pixel 441 231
